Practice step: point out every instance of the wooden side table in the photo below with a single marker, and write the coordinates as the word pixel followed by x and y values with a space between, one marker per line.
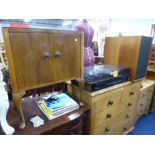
pixel 73 123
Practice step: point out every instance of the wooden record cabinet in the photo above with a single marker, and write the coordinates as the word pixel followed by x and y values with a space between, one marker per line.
pixel 41 57
pixel 129 51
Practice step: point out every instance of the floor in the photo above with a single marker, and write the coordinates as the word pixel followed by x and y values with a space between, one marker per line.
pixel 145 125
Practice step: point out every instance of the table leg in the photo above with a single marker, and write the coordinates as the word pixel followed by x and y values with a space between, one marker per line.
pixel 17 98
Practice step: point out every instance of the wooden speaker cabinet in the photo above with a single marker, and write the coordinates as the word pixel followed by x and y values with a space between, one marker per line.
pixel 41 57
pixel 129 51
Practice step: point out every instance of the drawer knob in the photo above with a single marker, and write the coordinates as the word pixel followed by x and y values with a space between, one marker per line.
pixel 107 129
pixel 129 104
pixel 131 93
pixel 141 104
pixel 110 102
pixel 125 129
pixel 138 115
pixel 143 95
pixel 127 116
pixel 108 115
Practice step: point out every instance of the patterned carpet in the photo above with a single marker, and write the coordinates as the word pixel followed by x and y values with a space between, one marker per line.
pixel 145 125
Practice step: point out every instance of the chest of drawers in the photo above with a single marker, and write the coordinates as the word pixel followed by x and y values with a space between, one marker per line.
pixel 112 110
pixel 146 94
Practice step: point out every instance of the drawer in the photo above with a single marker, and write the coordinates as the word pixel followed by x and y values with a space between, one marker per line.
pixel 108 129
pixel 118 125
pixel 103 122
pixel 148 101
pixel 105 117
pixel 143 105
pixel 129 105
pixel 131 92
pixel 143 110
pixel 146 94
pixel 107 101
pixel 126 127
pixel 127 124
pixel 77 130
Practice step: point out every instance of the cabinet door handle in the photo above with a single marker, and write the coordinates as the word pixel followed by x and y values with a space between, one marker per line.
pixel 110 102
pixel 129 104
pixel 46 55
pixel 109 115
pixel 106 129
pixel 57 54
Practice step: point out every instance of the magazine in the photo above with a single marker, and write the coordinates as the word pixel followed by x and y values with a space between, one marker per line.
pixel 57 105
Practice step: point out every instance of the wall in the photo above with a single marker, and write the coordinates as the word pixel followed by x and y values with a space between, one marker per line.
pixel 116 26
pixel 1 36
pixel 34 26
pixel 130 27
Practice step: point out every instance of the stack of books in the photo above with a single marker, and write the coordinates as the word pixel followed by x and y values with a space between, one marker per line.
pixel 55 106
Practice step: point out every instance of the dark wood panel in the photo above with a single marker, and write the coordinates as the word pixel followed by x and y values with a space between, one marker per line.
pixel 68 64
pixel 27 50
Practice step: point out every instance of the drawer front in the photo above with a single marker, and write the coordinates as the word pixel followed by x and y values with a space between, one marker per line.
pixel 116 126
pixel 144 101
pixel 111 128
pixel 146 94
pixel 128 121
pixel 129 106
pixel 107 101
pixel 107 107
pixel 130 96
pixel 140 106
pixel 126 126
pixel 144 104
pixel 129 115
pixel 107 116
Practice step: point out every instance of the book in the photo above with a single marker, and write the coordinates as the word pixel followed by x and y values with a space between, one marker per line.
pixel 57 105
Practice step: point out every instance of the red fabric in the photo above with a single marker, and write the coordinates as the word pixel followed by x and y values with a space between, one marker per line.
pixel 19 25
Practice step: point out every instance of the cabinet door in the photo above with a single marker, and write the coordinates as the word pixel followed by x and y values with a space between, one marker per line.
pixel 31 68
pixel 67 55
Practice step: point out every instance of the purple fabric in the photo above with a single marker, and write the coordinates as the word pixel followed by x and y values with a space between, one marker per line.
pixel 89 58
pixel 88 36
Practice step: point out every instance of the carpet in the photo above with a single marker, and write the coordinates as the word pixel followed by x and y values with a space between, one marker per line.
pixel 145 125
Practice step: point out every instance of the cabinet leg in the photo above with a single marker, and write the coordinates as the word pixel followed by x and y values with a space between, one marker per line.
pixel 17 98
